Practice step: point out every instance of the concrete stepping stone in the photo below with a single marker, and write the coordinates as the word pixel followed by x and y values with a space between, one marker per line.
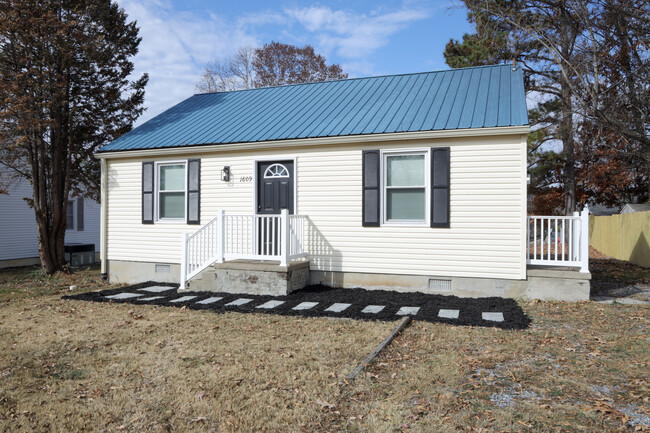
pixel 448 314
pixel 156 289
pixel 237 302
pixel 210 300
pixel 372 309
pixel 183 299
pixel 124 296
pixel 408 311
pixel 337 308
pixel 493 317
pixel 270 304
pixel 150 298
pixel 305 306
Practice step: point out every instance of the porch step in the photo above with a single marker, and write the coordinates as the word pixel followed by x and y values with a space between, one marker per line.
pixel 252 277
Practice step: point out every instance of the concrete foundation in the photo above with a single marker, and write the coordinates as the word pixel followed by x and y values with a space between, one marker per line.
pixel 17 263
pixel 268 278
pixel 120 271
pixel 559 284
pixel 29 261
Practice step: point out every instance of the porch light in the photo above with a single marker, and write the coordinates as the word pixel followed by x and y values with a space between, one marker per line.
pixel 225 173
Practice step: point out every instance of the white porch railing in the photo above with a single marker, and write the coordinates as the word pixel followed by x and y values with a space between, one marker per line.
pixel 559 240
pixel 254 237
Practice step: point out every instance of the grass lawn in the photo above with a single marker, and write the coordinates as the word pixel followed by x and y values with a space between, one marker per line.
pixel 73 365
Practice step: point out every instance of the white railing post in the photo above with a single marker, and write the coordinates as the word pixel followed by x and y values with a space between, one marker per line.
pixel 576 237
pixel 221 240
pixel 183 261
pixel 284 237
pixel 584 240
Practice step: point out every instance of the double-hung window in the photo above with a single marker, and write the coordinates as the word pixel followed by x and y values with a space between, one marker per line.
pixel 171 191
pixel 69 217
pixel 406 187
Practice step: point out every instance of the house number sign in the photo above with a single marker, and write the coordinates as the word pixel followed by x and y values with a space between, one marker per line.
pixel 246 179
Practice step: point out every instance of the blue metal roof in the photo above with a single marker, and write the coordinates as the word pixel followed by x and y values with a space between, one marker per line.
pixel 480 97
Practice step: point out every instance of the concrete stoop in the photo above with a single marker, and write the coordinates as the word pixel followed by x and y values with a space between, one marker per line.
pixel 253 277
pixel 557 284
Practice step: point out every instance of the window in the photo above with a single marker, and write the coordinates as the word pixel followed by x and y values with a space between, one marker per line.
pixel 276 170
pixel 69 216
pixel 405 182
pixel 171 191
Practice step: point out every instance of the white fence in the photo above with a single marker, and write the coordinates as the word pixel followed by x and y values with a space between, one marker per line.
pixel 254 237
pixel 559 240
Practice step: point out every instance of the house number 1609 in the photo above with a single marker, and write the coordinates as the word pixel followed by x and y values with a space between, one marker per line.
pixel 246 179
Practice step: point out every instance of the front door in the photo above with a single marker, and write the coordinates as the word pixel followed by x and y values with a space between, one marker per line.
pixel 274 192
pixel 274 187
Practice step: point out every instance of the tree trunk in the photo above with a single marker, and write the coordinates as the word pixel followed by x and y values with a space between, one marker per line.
pixel 565 127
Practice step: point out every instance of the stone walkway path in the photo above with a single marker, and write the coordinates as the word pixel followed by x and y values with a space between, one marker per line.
pixel 331 303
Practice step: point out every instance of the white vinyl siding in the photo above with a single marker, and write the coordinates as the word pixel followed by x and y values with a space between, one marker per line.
pixel 487 207
pixel 18 232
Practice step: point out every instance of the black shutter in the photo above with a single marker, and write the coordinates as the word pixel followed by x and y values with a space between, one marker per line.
pixel 440 187
pixel 80 214
pixel 194 191
pixel 371 193
pixel 147 192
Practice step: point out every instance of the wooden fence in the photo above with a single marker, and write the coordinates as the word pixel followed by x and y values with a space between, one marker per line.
pixel 624 237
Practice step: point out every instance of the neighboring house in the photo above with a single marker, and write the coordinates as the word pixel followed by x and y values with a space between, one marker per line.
pixel 414 182
pixel 18 232
pixel 635 207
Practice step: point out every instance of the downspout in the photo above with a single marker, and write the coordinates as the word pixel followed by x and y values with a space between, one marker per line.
pixel 104 220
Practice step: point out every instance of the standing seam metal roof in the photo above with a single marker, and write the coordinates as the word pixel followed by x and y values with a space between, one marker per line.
pixel 479 97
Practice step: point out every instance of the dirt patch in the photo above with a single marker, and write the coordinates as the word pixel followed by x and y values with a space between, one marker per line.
pixel 614 279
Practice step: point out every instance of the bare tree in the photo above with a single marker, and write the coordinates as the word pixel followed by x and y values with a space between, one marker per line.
pixel 587 58
pixel 230 73
pixel 273 64
pixel 277 64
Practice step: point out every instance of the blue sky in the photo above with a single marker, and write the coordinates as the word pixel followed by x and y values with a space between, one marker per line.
pixel 365 37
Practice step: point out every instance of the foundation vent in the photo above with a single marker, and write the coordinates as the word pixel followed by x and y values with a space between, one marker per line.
pixel 162 269
pixel 439 285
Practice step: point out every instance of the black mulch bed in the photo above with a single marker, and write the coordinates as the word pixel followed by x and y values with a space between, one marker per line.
pixel 470 308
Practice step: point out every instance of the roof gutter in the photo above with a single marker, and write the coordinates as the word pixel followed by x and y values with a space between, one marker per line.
pixel 300 142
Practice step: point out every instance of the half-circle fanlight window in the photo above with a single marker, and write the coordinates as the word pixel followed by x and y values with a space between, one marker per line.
pixel 276 170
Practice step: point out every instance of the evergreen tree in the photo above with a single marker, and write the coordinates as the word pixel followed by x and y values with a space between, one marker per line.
pixel 64 92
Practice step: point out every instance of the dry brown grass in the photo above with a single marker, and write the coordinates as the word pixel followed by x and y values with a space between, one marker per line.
pixel 72 365
pixel 580 367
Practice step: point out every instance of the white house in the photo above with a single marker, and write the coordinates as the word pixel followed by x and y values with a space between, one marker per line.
pixel 408 182
pixel 18 232
pixel 635 207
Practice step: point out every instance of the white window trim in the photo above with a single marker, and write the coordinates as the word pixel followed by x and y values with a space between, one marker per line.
pixel 156 199
pixel 427 187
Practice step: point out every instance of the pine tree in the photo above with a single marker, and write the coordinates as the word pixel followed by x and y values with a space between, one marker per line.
pixel 64 92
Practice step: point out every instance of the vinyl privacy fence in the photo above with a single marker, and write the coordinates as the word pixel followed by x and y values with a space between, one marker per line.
pixel 624 237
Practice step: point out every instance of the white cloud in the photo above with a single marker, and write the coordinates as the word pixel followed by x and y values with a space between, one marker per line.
pixel 175 47
pixel 353 35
